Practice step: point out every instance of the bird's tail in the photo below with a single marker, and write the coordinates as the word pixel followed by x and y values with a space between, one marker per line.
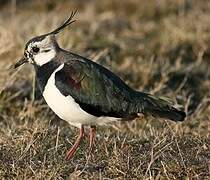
pixel 161 107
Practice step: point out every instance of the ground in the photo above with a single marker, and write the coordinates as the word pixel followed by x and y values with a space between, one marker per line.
pixel 161 47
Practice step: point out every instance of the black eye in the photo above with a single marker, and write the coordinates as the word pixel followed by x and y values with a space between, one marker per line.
pixel 35 49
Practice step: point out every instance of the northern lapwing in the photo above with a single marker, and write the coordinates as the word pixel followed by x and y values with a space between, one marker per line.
pixel 84 93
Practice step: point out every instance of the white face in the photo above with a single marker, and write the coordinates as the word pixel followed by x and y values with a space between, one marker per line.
pixel 41 52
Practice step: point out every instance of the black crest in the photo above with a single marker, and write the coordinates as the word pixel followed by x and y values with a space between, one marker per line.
pixel 64 25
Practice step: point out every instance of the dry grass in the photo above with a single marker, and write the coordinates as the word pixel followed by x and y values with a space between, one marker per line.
pixel 157 46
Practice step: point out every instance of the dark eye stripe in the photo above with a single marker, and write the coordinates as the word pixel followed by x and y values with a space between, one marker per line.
pixel 35 49
pixel 46 50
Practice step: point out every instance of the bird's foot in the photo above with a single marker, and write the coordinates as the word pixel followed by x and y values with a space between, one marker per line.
pixel 92 134
pixel 73 149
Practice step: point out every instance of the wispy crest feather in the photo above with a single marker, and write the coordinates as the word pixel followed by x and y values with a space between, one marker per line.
pixel 64 25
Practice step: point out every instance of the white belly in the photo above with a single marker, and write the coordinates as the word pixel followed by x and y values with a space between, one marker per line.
pixel 67 109
pixel 65 106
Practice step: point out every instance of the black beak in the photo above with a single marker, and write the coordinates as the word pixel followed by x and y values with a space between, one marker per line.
pixel 23 60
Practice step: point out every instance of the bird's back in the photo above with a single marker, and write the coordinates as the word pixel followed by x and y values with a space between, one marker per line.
pixel 133 102
pixel 94 87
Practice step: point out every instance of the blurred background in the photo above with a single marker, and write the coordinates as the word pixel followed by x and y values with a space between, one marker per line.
pixel 156 46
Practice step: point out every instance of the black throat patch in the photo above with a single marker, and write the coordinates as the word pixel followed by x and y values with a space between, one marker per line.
pixel 44 72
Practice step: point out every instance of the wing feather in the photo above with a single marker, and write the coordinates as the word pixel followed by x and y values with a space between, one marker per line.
pixel 97 92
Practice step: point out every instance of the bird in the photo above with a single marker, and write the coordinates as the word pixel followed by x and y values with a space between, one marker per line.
pixel 84 93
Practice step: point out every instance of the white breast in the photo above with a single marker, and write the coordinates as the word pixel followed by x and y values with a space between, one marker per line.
pixel 65 106
pixel 67 109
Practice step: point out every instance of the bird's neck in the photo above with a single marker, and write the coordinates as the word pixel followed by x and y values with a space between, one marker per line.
pixel 44 72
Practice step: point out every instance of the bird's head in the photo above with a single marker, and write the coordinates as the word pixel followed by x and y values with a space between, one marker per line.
pixel 41 49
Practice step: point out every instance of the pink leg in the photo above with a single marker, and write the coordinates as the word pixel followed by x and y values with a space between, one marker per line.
pixel 91 137
pixel 73 149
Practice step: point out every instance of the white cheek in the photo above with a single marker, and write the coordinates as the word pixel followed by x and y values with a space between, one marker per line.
pixel 44 57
